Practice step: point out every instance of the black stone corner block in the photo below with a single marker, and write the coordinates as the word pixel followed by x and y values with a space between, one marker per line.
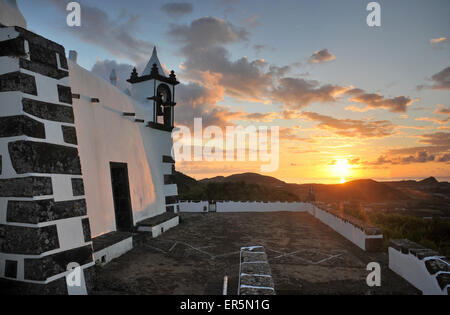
pixel 160 127
pixel 435 265
pixel 12 47
pixel 17 81
pixel 37 40
pixel 168 159
pixel 43 268
pixel 13 126
pixel 11 269
pixel 170 179
pixel 443 280
pixel 86 229
pixel 64 94
pixel 26 187
pixel 48 111
pixel 170 209
pixel 171 200
pixel 77 187
pixel 40 157
pixel 69 134
pixel 43 69
pixel 19 288
pixel 39 211
pixel 29 241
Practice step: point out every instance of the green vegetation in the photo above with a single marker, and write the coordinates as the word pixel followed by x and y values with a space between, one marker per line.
pixel 241 191
pixel 433 233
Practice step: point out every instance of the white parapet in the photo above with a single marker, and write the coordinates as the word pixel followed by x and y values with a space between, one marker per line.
pixel 113 251
pixel 422 267
pixel 358 235
pixel 238 206
pixel 160 228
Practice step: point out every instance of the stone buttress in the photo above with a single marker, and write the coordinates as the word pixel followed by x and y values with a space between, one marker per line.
pixel 43 218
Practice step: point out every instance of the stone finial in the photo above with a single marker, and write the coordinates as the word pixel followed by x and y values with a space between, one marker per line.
pixel 113 77
pixel 155 70
pixel 172 75
pixel 73 56
pixel 134 74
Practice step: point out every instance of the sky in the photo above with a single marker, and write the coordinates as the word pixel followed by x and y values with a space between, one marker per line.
pixel 351 101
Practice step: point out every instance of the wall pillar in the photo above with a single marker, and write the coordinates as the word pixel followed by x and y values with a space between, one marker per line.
pixel 43 219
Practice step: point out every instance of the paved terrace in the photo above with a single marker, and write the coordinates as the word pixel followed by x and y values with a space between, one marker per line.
pixel 306 257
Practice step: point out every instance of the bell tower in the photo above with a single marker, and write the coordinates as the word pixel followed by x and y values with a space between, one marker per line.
pixel 156 89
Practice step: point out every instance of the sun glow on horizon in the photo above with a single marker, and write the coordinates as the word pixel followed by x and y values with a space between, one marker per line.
pixel 341 169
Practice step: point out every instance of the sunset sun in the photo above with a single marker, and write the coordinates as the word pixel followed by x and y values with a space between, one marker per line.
pixel 341 169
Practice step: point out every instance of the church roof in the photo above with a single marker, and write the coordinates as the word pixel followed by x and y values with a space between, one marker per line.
pixel 154 60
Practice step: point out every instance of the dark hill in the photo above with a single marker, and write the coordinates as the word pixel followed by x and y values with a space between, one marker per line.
pixel 248 178
pixel 429 181
pixel 362 190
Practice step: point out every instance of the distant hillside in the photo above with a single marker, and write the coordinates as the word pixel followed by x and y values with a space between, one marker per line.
pixel 249 178
pixel 359 190
pixel 189 188
pixel 252 186
pixel 242 187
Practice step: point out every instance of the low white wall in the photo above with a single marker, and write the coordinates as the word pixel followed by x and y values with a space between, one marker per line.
pixel 192 206
pixel 413 270
pixel 114 251
pixel 157 230
pixel 348 230
pixel 237 206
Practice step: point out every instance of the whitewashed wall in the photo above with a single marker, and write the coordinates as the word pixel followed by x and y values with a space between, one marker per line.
pixel 415 272
pixel 192 206
pixel 350 231
pixel 236 206
pixel 232 206
pixel 104 136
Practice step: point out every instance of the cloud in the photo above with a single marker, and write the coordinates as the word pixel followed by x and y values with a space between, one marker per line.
pixel 103 69
pixel 397 104
pixel 434 120
pixel 418 157
pixel 444 158
pixel 439 40
pixel 195 100
pixel 442 110
pixel 290 134
pixel 177 9
pixel 117 36
pixel 441 80
pixel 207 31
pixel 203 44
pixel 351 127
pixel 259 48
pixel 320 56
pixel 357 109
pixel 203 48
pixel 436 139
pixel 297 93
pixel 436 150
